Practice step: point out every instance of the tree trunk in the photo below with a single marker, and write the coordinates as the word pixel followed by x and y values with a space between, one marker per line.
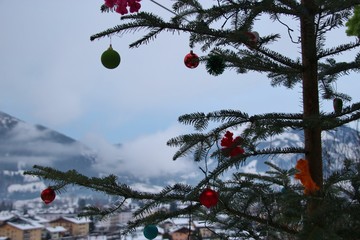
pixel 311 111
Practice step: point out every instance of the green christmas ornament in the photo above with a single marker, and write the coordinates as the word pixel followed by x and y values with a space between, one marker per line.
pixel 353 24
pixel 338 105
pixel 215 65
pixel 150 231
pixel 110 58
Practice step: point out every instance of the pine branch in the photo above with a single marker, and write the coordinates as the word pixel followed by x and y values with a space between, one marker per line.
pixel 106 185
pixel 198 120
pixel 160 216
pixel 337 6
pixel 337 50
pixel 189 142
pixel 261 220
pixel 280 58
pixel 347 115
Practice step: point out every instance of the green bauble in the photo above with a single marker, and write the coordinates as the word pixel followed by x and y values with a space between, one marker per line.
pixel 353 24
pixel 150 231
pixel 110 58
pixel 215 65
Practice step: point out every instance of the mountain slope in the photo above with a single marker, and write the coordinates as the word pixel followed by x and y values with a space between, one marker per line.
pixel 23 145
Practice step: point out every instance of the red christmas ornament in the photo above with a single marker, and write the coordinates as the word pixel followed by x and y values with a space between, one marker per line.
pixel 191 60
pixel 253 39
pixel 209 198
pixel 122 6
pixel 48 195
pixel 231 146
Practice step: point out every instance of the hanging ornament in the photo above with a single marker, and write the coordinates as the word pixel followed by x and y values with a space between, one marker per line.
pixel 48 195
pixel 215 65
pixel 150 231
pixel 122 5
pixel 209 197
pixel 110 58
pixel 253 39
pixel 191 60
pixel 338 105
pixel 303 174
pixel 231 147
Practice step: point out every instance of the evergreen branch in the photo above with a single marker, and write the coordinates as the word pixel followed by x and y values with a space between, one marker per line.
pixel 106 185
pixel 188 142
pixel 245 60
pixel 183 5
pixel 328 21
pixel 240 159
pixel 337 50
pixel 160 216
pixel 347 115
pixel 280 58
pixel 138 22
pixel 262 178
pixel 261 220
pixel 339 68
pixel 169 194
pixel 145 39
pixel 101 213
pixel 277 151
pixel 228 116
pixel 338 6
pixel 198 120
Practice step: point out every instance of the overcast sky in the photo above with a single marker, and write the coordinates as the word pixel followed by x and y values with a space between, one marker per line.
pixel 51 74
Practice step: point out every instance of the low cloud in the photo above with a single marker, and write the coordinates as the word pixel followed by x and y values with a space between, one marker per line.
pixel 145 156
pixel 26 145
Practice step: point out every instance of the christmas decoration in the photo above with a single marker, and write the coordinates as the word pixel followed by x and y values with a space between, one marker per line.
pixel 191 60
pixel 231 147
pixel 338 105
pixel 48 195
pixel 122 5
pixel 253 39
pixel 209 198
pixel 353 24
pixel 304 176
pixel 110 58
pixel 150 231
pixel 215 65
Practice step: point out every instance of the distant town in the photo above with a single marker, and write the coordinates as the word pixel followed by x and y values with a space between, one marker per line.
pixel 38 221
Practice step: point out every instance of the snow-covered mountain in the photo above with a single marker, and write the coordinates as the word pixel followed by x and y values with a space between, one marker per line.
pixel 22 145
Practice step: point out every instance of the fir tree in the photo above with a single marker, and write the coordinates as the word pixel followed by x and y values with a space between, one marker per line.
pixel 272 205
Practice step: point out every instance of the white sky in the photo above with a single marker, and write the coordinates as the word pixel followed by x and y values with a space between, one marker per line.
pixel 51 74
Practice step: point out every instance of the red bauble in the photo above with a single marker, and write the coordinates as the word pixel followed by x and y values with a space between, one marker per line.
pixel 191 60
pixel 48 195
pixel 253 39
pixel 209 198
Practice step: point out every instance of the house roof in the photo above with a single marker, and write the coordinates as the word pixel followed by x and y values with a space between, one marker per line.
pixel 4 216
pixel 56 229
pixel 181 230
pixel 24 224
pixel 81 220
